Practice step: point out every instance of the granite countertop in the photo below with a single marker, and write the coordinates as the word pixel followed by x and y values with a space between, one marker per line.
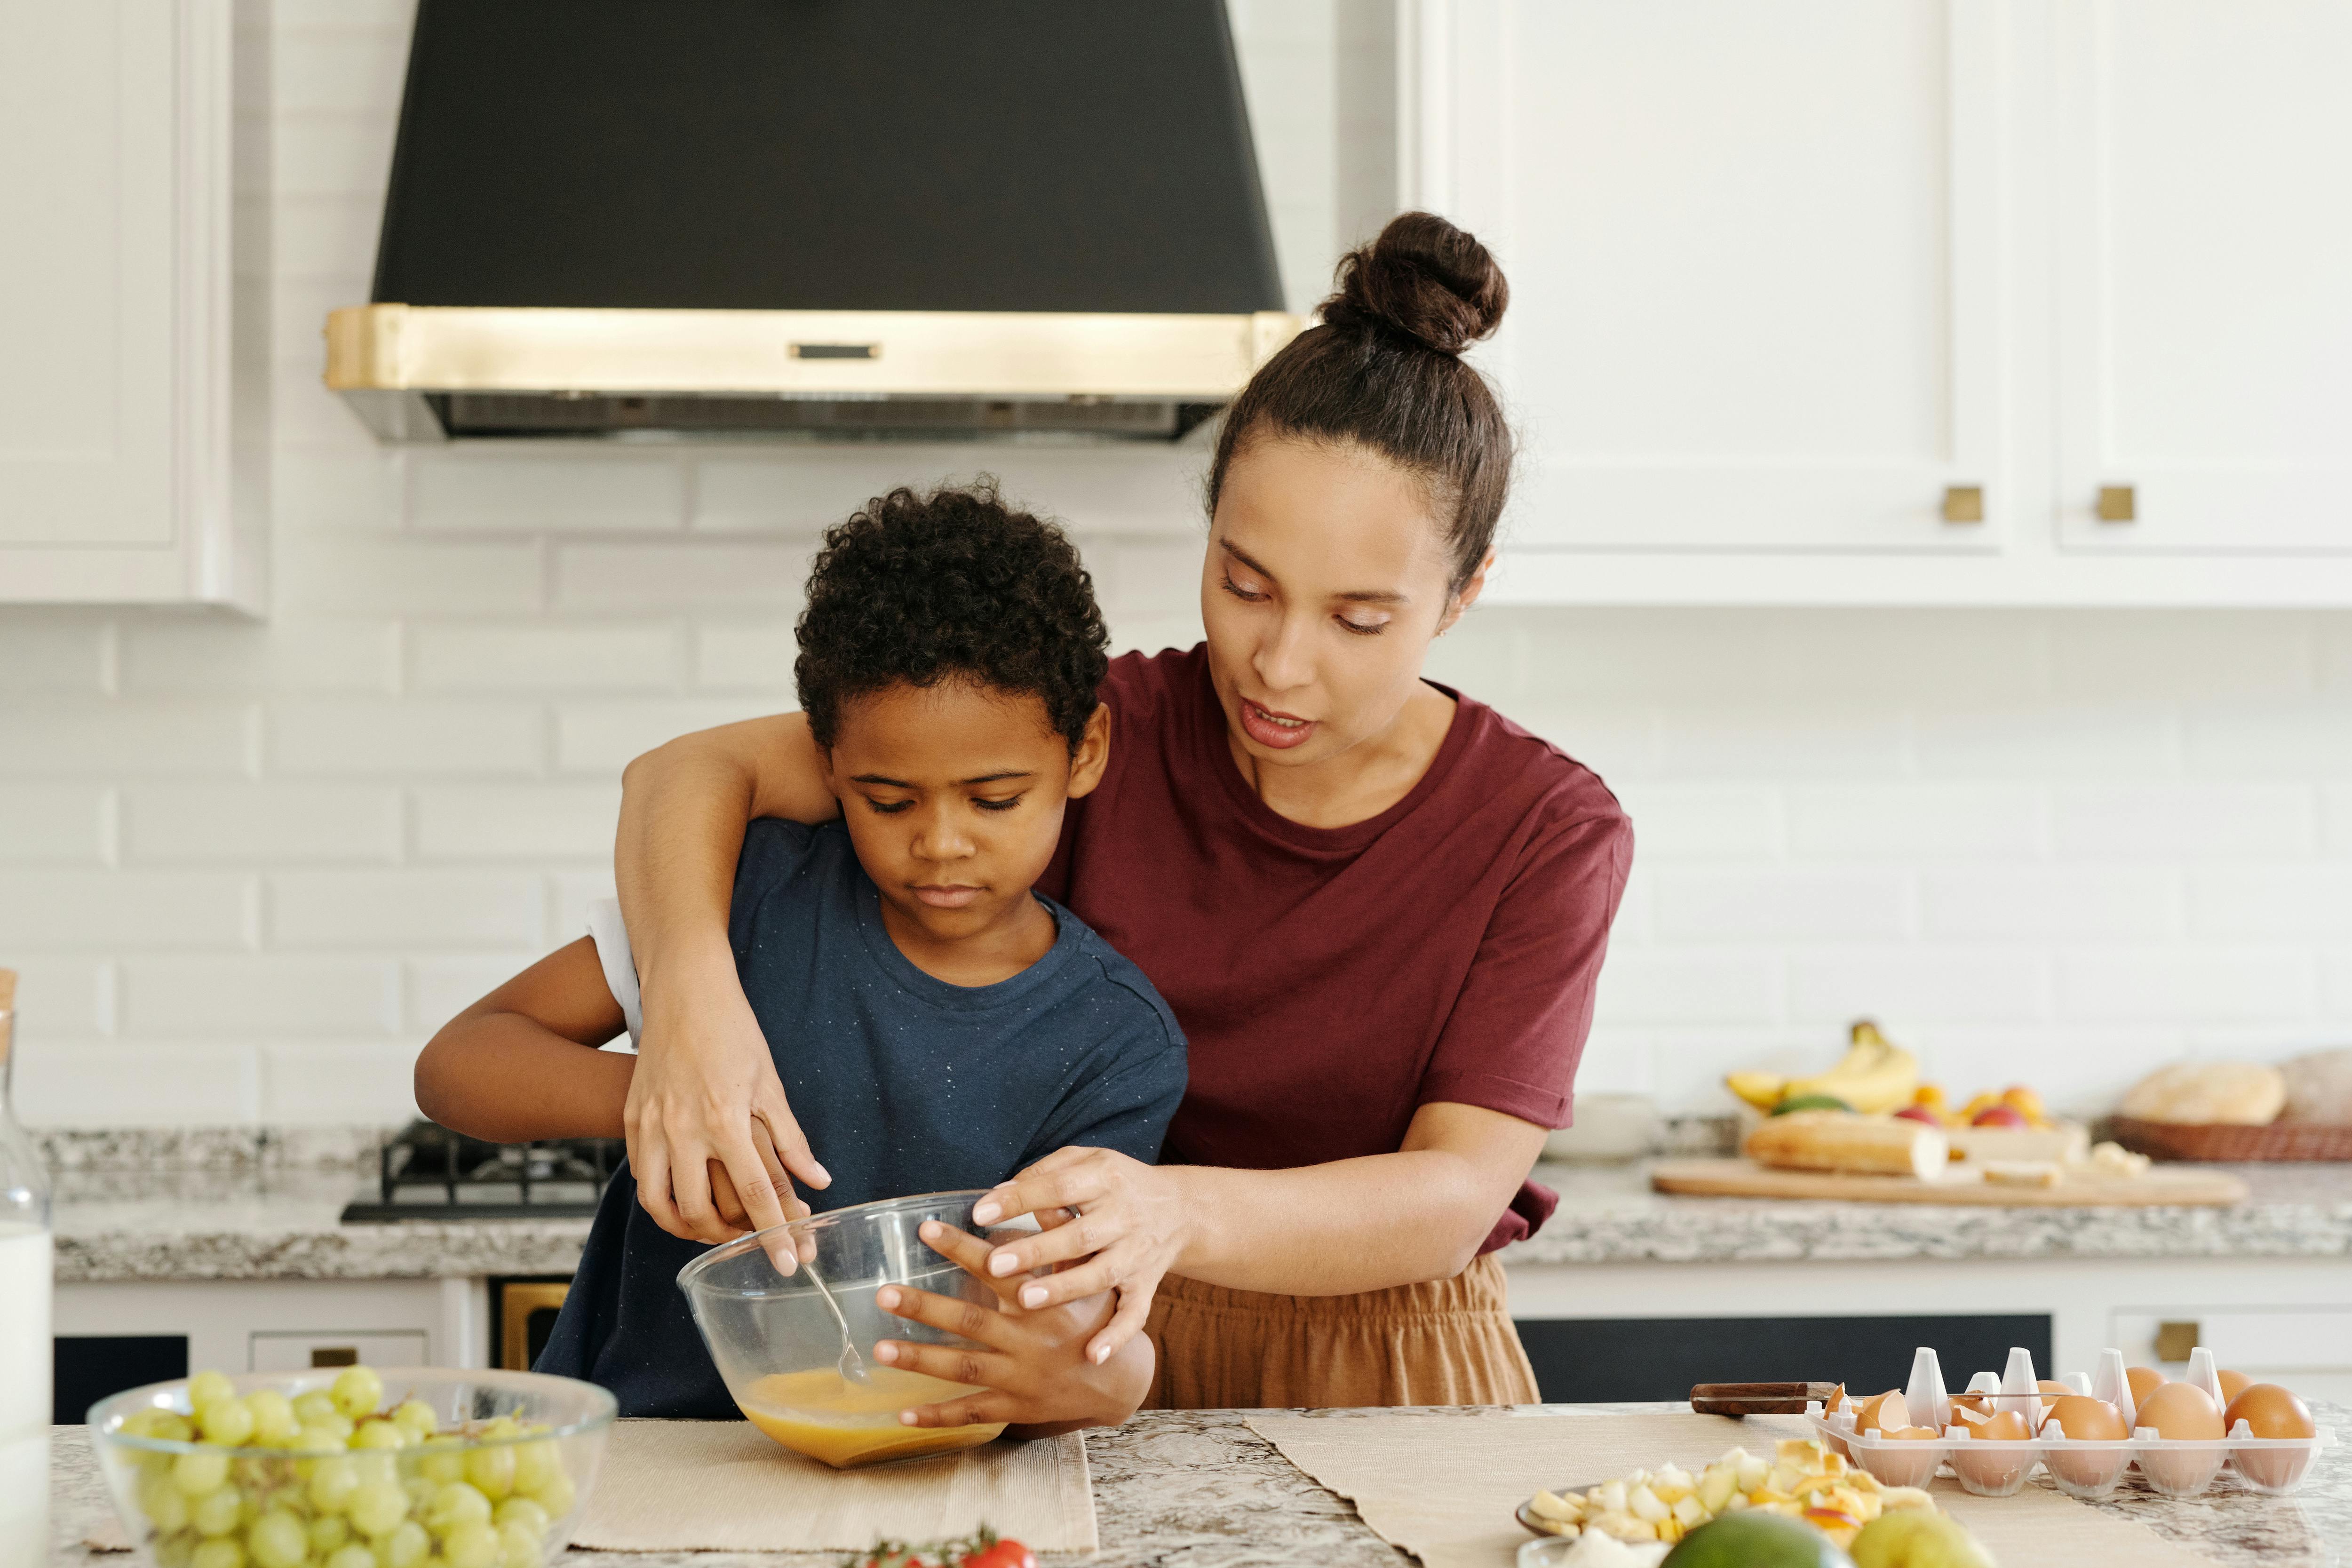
pixel 1198 1489
pixel 276 1218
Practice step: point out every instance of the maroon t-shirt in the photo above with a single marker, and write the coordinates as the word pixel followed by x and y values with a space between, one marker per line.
pixel 1333 981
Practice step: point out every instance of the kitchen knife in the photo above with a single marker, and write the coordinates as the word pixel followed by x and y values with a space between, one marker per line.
pixel 1757 1398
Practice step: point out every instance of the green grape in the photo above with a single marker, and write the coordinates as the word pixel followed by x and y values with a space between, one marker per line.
pixel 443 1461
pixel 523 1510
pixel 555 1494
pixel 358 1391
pixel 140 1423
pixel 377 1508
pixel 420 1490
pixel 223 1553
pixel 329 1532
pixel 208 1387
pixel 417 1419
pixel 172 1429
pixel 405 1547
pixel 473 1544
pixel 376 1433
pixel 340 1424
pixel 175 1551
pixel 375 1466
pixel 207 1471
pixel 332 1482
pixel 228 1422
pixel 502 1427
pixel 277 1540
pixel 313 1409
pixel 318 1440
pixel 456 1504
pixel 351 1556
pixel 535 1464
pixel 164 1503
pixel 274 1424
pixel 217 1513
pixel 519 1546
pixel 493 1470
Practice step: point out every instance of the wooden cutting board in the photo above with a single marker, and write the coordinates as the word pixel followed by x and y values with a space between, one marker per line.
pixel 1746 1179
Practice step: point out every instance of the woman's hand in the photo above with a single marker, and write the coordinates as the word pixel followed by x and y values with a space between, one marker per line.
pixel 705 1101
pixel 1032 1364
pixel 1128 1220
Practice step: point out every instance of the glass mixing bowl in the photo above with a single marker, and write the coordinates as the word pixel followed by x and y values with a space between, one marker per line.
pixel 448 1501
pixel 778 1344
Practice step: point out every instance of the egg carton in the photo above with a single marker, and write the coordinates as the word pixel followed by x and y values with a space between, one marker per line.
pixel 2177 1468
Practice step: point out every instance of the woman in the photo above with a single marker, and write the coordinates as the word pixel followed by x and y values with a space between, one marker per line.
pixel 1378 908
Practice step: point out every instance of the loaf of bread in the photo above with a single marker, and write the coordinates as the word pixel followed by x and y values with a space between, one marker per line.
pixel 2319 1088
pixel 2237 1094
pixel 1841 1140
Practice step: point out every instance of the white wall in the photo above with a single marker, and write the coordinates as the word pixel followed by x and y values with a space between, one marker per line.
pixel 247 868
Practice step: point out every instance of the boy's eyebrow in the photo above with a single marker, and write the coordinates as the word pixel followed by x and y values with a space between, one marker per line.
pixel 981 779
pixel 1353 595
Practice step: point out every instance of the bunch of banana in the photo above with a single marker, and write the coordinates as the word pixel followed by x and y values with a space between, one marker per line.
pixel 1876 1077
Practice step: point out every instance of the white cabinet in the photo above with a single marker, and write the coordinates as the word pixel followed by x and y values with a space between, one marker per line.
pixel 128 471
pixel 2205 276
pixel 1869 300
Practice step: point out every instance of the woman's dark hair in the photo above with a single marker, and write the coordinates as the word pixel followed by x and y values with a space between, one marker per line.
pixel 1384 371
pixel 925 588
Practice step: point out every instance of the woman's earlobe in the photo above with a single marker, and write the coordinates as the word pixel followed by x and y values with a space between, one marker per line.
pixel 1467 595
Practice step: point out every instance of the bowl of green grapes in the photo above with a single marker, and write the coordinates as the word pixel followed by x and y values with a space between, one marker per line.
pixel 348 1468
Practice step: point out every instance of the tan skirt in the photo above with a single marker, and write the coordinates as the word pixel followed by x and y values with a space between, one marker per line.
pixel 1449 1342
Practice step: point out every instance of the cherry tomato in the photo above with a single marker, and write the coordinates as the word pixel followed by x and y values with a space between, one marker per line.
pixel 1003 1554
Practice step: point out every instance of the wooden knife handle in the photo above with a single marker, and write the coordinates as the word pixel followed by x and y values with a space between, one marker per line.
pixel 1757 1398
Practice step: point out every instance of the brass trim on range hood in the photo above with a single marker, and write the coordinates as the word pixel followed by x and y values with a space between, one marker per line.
pixel 400 365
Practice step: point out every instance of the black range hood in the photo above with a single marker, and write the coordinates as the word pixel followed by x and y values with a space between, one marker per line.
pixel 815 217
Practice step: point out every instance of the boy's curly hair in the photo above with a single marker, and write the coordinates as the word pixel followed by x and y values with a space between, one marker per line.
pixel 925 588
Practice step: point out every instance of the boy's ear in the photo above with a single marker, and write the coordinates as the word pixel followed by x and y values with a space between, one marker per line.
pixel 1093 754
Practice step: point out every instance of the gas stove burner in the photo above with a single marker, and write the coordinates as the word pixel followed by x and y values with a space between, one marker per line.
pixel 428 1172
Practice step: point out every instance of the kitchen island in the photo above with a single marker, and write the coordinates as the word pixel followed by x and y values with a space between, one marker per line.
pixel 1199 1488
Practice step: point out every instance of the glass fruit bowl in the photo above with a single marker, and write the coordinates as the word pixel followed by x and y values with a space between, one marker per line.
pixel 775 1307
pixel 453 1469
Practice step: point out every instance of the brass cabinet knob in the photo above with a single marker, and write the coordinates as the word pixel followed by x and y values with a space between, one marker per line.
pixel 2117 504
pixel 2175 1340
pixel 1964 503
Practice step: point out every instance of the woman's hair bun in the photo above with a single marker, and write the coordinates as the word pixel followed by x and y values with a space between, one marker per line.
pixel 1423 277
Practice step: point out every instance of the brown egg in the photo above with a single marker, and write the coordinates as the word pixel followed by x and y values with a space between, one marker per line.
pixel 1913 1434
pixel 2271 1410
pixel 1975 1402
pixel 2181 1411
pixel 2052 1389
pixel 1882 1412
pixel 1995 1472
pixel 2233 1383
pixel 2088 1420
pixel 2144 1381
pixel 2004 1427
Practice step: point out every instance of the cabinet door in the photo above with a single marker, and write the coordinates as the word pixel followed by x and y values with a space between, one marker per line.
pixel 1755 256
pixel 114 286
pixel 2205 274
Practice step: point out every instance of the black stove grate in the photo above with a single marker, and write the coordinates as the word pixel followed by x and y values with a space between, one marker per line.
pixel 428 1172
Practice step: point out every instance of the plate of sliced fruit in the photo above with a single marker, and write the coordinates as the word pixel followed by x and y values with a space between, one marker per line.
pixel 1801 1479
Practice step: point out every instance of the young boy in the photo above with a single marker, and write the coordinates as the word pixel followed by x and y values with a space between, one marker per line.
pixel 937 1024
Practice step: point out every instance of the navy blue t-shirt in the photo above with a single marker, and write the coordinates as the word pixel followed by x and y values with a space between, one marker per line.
pixel 903 1083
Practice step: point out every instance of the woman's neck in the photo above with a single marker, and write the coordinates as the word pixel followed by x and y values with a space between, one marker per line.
pixel 1361 782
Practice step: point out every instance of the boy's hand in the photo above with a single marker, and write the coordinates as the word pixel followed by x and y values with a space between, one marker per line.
pixel 1032 1364
pixel 705 1097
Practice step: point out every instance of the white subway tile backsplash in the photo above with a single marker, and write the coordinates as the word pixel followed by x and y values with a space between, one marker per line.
pixel 437 989
pixel 315 153
pixel 68 910
pixel 1691 986
pixel 1943 985
pixel 2280 903
pixel 63 652
pixel 323 238
pixel 574 657
pixel 286 652
pixel 567 493
pixel 2167 986
pixel 148 1083
pixel 354 72
pixel 602 737
pixel 1780 904
pixel 417 738
pixel 2271 739
pixel 526 822
pixel 312 490
pixel 730 576
pixel 257 824
pixel 1705 822
pixel 1802 740
pixel 1916 821
pixel 748 656
pixel 247 995
pixel 346 1082
pixel 2157 655
pixel 2336 814
pixel 56 736
pixel 2168 821
pixel 62 996
pixel 403 575
pixel 2050 903
pixel 2051 741
pixel 61 824
pixel 405 909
